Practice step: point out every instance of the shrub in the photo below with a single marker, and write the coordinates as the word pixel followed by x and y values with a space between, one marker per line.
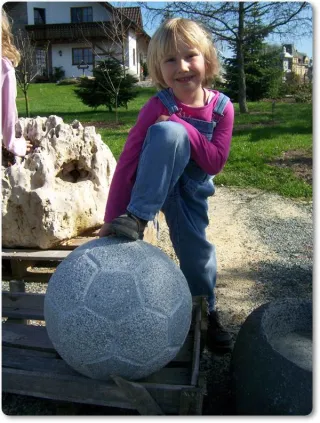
pixel 145 72
pixel 58 73
pixel 304 94
pixel 109 87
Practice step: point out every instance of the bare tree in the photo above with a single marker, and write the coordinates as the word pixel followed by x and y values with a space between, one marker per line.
pixel 232 23
pixel 27 68
pixel 115 31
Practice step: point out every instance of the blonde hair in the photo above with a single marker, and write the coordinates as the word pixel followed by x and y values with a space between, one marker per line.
pixel 164 42
pixel 8 48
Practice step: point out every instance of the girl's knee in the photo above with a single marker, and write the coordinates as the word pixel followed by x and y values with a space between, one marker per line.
pixel 172 133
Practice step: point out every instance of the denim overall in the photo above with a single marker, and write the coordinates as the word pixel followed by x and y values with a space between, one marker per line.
pixel 168 180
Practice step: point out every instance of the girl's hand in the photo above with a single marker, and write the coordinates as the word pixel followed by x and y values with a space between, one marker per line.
pixel 162 118
pixel 29 147
pixel 106 230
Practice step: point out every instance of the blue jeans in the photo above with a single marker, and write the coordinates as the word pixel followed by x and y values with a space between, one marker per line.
pixel 162 183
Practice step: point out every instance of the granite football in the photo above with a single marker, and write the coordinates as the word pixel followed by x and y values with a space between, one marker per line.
pixel 117 307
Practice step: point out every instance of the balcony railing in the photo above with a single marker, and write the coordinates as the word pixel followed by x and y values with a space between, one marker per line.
pixel 69 32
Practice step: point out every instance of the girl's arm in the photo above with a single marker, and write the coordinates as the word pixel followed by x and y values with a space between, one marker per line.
pixel 17 146
pixel 125 173
pixel 211 156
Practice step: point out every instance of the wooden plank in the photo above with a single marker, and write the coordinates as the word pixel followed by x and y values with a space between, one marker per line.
pixel 19 268
pixel 81 389
pixel 23 316
pixel 26 336
pixel 46 384
pixel 10 353
pixel 20 305
pixel 169 376
pixel 17 286
pixel 23 300
pixel 35 361
pixel 44 255
pixel 196 347
pixel 139 397
pixel 31 277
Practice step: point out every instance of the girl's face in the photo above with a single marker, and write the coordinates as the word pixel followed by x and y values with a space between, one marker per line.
pixel 184 70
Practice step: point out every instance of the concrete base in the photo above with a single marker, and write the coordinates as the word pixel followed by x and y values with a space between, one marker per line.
pixel 272 360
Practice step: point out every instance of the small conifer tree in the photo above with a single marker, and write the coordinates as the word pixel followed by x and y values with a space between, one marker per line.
pixel 109 87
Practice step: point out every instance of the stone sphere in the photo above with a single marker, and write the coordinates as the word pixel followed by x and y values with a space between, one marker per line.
pixel 117 307
pixel 272 360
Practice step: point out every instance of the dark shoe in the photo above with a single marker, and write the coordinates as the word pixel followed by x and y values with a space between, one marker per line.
pixel 129 226
pixel 218 339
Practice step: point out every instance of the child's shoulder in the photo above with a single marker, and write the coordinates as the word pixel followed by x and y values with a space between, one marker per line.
pixel 219 96
pixel 154 101
pixel 216 93
pixel 6 65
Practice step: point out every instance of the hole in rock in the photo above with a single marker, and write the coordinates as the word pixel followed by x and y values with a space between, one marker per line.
pixel 73 172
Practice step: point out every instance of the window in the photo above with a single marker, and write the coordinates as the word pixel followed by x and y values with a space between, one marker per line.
pixel 82 55
pixel 41 61
pixel 39 16
pixel 134 57
pixel 81 14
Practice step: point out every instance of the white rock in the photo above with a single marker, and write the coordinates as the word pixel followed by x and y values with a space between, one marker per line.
pixel 60 189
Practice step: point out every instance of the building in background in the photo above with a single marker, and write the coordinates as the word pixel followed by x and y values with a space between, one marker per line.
pixel 297 63
pixel 75 36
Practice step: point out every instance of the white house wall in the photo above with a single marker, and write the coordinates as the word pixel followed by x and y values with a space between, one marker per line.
pixel 132 44
pixel 66 60
pixel 59 12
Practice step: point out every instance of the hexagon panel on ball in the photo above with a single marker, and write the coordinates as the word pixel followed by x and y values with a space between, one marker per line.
pixel 117 307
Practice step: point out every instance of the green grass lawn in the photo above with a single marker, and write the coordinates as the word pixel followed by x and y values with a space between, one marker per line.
pixel 259 138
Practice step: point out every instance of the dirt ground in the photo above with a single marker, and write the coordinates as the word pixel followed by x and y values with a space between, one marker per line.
pixel 300 162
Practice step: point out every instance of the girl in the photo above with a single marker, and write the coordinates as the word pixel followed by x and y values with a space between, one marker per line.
pixel 181 139
pixel 10 59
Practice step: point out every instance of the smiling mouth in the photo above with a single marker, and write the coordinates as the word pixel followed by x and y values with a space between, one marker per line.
pixel 184 79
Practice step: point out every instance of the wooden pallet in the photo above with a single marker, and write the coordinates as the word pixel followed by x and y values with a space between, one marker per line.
pixel 31 365
pixel 31 265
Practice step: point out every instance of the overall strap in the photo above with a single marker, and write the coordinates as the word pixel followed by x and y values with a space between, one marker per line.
pixel 220 106
pixel 168 101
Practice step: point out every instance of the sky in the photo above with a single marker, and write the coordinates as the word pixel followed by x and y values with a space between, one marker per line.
pixel 304 45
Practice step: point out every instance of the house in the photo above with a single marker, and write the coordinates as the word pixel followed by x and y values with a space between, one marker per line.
pixel 77 35
pixel 295 62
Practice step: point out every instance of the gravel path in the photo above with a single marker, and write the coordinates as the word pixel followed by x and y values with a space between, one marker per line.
pixel 265 251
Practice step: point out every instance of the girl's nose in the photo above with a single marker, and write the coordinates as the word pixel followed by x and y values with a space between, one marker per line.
pixel 183 65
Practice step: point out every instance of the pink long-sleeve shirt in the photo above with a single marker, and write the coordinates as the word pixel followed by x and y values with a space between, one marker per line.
pixel 17 146
pixel 210 156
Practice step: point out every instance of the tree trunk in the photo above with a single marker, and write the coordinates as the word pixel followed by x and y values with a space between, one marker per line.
pixel 242 95
pixel 116 108
pixel 26 98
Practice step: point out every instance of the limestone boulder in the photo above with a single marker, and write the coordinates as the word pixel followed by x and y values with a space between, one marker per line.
pixel 60 189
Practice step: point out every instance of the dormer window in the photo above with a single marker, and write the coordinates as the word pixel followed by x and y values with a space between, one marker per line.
pixel 39 16
pixel 81 14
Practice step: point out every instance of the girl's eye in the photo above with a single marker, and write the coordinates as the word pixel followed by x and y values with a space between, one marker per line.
pixel 170 59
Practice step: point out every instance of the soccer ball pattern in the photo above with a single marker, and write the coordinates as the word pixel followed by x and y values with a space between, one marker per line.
pixel 117 307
